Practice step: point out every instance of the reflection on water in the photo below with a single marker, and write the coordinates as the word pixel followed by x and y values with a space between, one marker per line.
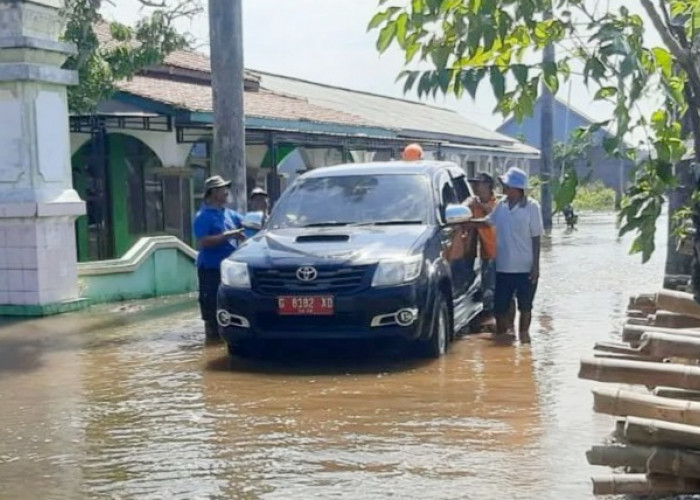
pixel 143 410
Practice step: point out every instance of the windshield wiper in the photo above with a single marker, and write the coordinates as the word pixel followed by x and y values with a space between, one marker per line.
pixel 327 224
pixel 390 223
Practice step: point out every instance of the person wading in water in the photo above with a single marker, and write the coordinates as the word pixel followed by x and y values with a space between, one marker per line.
pixel 481 206
pixel 518 221
pixel 217 230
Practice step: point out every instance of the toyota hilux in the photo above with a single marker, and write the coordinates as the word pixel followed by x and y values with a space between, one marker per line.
pixel 357 251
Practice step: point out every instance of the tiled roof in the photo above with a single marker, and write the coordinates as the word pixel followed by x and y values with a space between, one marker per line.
pixel 196 61
pixel 189 60
pixel 263 104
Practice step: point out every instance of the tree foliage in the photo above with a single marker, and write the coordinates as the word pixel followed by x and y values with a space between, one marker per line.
pixel 459 44
pixel 101 64
pixel 568 157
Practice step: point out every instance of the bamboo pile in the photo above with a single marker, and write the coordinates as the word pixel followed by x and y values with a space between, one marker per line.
pixel 655 446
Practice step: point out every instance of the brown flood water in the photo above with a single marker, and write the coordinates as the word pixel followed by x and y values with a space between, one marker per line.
pixel 144 410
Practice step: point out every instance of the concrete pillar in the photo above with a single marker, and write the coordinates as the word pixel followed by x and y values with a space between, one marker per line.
pixel 38 206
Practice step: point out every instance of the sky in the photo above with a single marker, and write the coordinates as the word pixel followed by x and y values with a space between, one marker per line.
pixel 326 41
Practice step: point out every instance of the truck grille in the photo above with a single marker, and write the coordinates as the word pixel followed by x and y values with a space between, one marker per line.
pixel 334 281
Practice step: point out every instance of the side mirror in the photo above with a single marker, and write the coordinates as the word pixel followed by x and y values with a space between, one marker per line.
pixel 457 214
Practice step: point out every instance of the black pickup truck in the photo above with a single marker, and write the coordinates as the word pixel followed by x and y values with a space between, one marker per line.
pixel 356 251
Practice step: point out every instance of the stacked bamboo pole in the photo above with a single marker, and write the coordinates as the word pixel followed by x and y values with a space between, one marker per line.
pixel 655 447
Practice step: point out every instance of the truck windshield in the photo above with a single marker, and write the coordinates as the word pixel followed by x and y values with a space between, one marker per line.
pixel 354 200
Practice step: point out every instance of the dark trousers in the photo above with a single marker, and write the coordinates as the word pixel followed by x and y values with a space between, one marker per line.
pixel 514 284
pixel 209 280
pixel 488 284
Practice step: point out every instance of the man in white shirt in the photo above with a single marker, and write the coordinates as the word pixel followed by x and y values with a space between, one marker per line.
pixel 518 222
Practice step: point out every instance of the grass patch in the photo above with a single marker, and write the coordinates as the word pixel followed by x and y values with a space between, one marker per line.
pixel 590 197
pixel 595 197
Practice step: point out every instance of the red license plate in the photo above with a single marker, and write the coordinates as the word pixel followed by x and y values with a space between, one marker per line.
pixel 305 306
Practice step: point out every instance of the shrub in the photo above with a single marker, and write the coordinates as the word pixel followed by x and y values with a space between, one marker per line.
pixel 592 196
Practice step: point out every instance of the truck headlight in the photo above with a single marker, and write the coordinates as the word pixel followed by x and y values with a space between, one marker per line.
pixel 235 274
pixel 397 272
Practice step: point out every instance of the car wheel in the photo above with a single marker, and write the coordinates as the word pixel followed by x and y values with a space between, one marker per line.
pixel 441 332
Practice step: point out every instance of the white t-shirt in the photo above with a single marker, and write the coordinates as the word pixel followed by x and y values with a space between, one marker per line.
pixel 515 228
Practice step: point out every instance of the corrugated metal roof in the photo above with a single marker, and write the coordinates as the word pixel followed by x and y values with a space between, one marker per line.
pixel 516 149
pixel 413 119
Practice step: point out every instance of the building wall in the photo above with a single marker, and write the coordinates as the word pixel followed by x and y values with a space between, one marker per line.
pixel 175 158
pixel 614 173
pixel 154 267
pixel 566 121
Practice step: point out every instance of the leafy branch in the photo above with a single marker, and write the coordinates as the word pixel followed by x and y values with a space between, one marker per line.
pixel 457 45
pixel 101 63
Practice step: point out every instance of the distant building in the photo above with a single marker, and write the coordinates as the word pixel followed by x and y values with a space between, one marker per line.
pixel 613 172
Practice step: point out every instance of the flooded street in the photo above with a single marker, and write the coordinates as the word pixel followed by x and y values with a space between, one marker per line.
pixel 143 410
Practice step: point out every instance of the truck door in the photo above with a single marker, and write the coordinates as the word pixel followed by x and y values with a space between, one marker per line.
pixel 451 236
pixel 463 192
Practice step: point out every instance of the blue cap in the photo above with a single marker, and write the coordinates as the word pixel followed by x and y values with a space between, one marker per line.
pixel 515 178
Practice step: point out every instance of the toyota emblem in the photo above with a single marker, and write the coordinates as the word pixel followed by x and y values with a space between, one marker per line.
pixel 307 273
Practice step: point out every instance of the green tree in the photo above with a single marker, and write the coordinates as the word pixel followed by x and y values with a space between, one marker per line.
pixel 567 156
pixel 131 48
pixel 462 43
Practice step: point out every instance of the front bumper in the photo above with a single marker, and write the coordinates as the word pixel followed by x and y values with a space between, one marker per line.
pixel 372 313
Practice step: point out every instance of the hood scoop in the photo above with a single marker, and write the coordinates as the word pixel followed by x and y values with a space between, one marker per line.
pixel 323 238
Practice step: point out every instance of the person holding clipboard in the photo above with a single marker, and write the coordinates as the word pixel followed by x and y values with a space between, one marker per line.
pixel 217 230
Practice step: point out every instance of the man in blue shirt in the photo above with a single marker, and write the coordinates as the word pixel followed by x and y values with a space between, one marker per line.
pixel 217 230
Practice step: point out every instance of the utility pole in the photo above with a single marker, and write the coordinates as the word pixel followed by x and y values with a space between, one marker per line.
pixel 679 259
pixel 227 82
pixel 547 138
